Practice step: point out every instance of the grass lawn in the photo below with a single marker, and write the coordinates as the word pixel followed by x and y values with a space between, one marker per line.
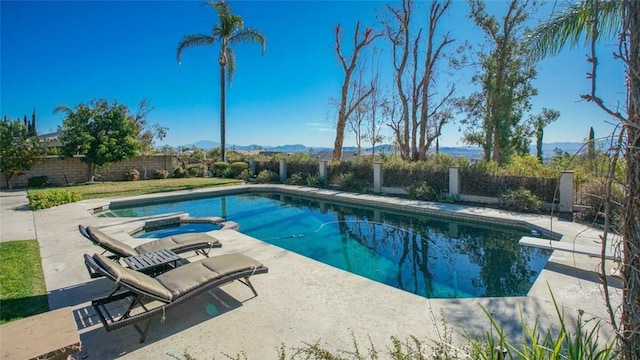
pixel 132 188
pixel 23 292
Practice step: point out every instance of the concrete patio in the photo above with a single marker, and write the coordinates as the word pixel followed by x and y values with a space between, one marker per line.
pixel 300 300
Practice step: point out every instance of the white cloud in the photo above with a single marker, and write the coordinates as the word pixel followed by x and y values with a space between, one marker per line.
pixel 319 127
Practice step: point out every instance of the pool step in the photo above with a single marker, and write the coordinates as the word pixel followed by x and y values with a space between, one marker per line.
pixel 593 251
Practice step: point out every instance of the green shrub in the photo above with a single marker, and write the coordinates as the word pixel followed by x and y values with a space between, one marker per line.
pixel 132 175
pixel 350 182
pixel 521 200
pixel 221 169
pixel 195 171
pixel 161 174
pixel 296 179
pixel 317 181
pixel 38 181
pixel 266 177
pixel 422 191
pixel 237 168
pixel 245 175
pixel 47 199
pixel 179 172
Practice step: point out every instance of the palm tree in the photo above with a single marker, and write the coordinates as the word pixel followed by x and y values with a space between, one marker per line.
pixel 589 19
pixel 229 31
pixel 573 24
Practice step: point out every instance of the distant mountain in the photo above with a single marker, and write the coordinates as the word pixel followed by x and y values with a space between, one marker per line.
pixel 471 152
pixel 204 144
pixel 288 148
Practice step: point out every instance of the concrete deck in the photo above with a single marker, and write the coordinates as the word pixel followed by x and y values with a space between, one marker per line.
pixel 300 300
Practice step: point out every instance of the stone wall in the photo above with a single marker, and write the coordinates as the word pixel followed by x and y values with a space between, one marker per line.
pixel 74 171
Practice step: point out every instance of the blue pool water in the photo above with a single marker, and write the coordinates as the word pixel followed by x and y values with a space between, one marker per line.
pixel 177 229
pixel 431 257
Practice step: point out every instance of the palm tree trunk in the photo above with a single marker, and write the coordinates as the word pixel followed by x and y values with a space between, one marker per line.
pixel 223 101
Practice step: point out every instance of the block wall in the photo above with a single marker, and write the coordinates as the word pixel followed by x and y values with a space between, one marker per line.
pixel 73 170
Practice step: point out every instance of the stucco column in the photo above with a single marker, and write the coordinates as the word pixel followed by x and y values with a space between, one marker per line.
pixel 565 203
pixel 377 177
pixel 454 181
pixel 283 171
pixel 252 166
pixel 323 169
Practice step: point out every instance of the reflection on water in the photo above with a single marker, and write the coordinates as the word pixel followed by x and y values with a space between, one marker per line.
pixel 427 256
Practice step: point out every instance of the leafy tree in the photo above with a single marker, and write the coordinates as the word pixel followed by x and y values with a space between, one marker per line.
pixel 104 133
pixel 539 122
pixel 229 31
pixel 505 81
pixel 589 20
pixel 19 152
pixel 591 145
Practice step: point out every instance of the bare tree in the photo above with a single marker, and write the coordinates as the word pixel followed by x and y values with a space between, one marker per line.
pixel 357 117
pixel 348 66
pixel 378 105
pixel 422 112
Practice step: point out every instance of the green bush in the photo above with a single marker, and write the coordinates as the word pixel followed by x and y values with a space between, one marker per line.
pixel 132 175
pixel 47 199
pixel 161 174
pixel 179 172
pixel 237 168
pixel 38 181
pixel 350 182
pixel 266 177
pixel 317 181
pixel 422 191
pixel 521 200
pixel 221 169
pixel 195 171
pixel 245 175
pixel 296 179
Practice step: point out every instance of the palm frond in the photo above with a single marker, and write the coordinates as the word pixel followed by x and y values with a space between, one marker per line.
pixel 63 109
pixel 221 7
pixel 192 41
pixel 248 36
pixel 572 27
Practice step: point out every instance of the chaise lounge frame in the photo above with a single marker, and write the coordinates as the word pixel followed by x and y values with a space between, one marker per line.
pixel 200 247
pixel 139 298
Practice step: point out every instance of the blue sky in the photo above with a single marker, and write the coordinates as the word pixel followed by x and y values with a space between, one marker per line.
pixel 57 52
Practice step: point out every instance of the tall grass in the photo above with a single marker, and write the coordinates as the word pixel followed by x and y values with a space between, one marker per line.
pixel 583 344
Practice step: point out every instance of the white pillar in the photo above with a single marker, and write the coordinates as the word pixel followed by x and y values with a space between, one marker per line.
pixel 565 203
pixel 454 181
pixel 377 177
pixel 252 166
pixel 323 169
pixel 283 171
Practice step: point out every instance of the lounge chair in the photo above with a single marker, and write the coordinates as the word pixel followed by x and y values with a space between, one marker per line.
pixel 150 296
pixel 201 243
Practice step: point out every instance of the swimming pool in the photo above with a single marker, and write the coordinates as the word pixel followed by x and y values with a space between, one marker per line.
pixel 176 229
pixel 427 256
